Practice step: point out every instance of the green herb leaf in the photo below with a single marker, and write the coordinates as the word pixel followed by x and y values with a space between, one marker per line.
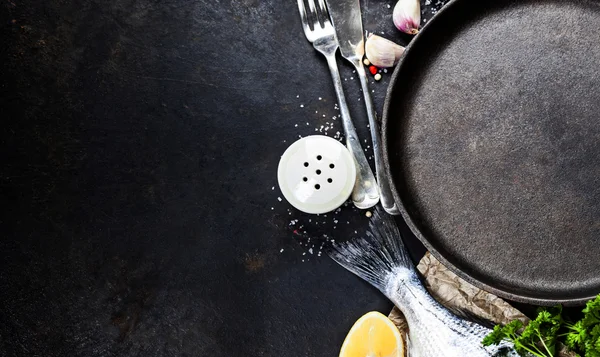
pixel 495 337
pixel 595 332
pixel 592 353
pixel 592 312
pixel 513 327
pixel 576 338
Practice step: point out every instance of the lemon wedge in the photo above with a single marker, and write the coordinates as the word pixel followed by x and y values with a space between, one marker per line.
pixel 373 335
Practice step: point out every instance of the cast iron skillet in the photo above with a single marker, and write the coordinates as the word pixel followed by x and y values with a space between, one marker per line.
pixel 491 134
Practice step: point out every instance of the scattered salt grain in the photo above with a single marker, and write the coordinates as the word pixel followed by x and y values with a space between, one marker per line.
pixel 301 105
pixel 310 250
pixel 281 251
pixel 320 98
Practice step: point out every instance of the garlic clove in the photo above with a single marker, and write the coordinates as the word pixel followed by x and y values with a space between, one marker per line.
pixel 407 16
pixel 360 49
pixel 382 52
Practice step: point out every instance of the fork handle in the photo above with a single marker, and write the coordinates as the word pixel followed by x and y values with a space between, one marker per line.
pixel 366 192
pixel 387 200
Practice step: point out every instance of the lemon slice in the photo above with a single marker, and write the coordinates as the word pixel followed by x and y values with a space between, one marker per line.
pixel 373 335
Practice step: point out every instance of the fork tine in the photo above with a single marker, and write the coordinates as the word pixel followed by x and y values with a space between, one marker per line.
pixel 315 15
pixel 304 18
pixel 324 13
pixel 323 9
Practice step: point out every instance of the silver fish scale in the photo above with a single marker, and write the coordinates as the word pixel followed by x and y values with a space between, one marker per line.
pixel 433 330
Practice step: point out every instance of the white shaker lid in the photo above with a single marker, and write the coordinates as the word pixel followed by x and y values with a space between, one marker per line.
pixel 316 174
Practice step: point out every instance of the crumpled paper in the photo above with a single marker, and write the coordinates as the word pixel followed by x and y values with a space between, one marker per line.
pixel 457 294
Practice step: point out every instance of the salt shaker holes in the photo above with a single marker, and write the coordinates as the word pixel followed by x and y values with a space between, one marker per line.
pixel 316 174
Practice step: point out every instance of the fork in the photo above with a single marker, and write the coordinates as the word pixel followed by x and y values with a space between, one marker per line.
pixel 366 191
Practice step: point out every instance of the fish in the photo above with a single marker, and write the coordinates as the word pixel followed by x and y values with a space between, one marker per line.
pixel 382 259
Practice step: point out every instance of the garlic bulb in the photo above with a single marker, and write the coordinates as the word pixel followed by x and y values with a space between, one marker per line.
pixel 382 52
pixel 407 16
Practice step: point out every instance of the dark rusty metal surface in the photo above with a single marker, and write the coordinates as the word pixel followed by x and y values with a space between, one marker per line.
pixel 140 141
pixel 493 142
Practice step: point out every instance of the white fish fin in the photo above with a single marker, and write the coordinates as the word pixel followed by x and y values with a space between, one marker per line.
pixel 375 257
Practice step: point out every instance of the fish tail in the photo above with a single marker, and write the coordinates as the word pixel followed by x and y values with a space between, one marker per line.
pixel 379 256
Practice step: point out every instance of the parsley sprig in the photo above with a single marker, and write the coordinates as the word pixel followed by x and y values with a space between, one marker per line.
pixel 541 336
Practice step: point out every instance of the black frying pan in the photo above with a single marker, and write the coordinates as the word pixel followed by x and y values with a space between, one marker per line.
pixel 491 131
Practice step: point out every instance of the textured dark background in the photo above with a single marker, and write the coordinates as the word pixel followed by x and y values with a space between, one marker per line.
pixel 140 141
